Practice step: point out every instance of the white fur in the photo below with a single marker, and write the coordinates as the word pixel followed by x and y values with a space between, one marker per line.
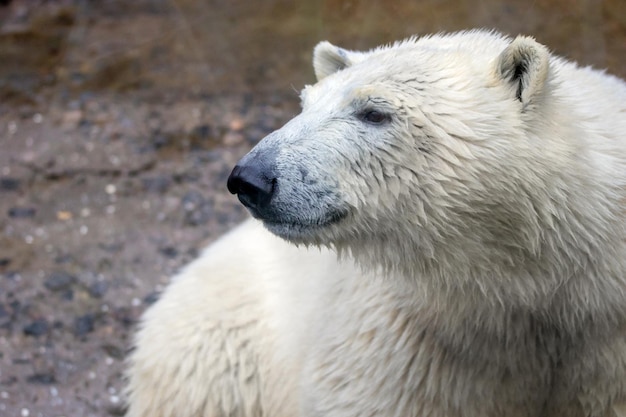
pixel 483 238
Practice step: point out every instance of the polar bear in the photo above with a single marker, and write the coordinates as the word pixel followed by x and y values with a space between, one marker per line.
pixel 439 233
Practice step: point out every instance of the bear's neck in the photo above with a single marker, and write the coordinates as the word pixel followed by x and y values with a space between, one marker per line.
pixel 489 287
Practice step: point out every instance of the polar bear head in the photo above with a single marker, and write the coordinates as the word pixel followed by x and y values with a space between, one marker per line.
pixel 423 154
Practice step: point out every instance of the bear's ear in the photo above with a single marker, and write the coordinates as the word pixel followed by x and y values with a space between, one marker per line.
pixel 524 65
pixel 328 59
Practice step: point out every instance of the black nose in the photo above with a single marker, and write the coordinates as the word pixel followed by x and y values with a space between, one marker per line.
pixel 253 186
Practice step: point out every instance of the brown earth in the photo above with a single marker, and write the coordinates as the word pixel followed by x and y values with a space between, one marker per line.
pixel 119 123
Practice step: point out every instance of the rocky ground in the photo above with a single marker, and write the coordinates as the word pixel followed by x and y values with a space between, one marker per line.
pixel 106 188
pixel 119 123
pixel 103 201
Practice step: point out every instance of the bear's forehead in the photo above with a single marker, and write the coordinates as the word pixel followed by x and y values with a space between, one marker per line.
pixel 379 80
pixel 377 75
pixel 426 61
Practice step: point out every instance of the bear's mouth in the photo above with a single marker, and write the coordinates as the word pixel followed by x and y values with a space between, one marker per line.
pixel 301 228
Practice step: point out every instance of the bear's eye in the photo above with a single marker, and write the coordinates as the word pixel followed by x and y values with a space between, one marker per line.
pixel 374 117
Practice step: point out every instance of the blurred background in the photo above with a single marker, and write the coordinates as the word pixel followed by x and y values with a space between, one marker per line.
pixel 119 123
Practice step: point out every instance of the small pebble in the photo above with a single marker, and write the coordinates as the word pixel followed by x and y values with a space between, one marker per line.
pixel 98 289
pixel 64 215
pixel 159 184
pixel 41 378
pixel 112 247
pixel 236 124
pixel 113 351
pixel 201 131
pixel 169 252
pixel 110 189
pixel 24 412
pixel 37 328
pixel 63 258
pixel 22 212
pixel 151 298
pixel 12 127
pixel 84 324
pixel 9 184
pixel 58 281
pixel 67 295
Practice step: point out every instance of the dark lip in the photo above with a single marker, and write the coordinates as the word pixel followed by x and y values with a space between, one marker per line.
pixel 304 226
